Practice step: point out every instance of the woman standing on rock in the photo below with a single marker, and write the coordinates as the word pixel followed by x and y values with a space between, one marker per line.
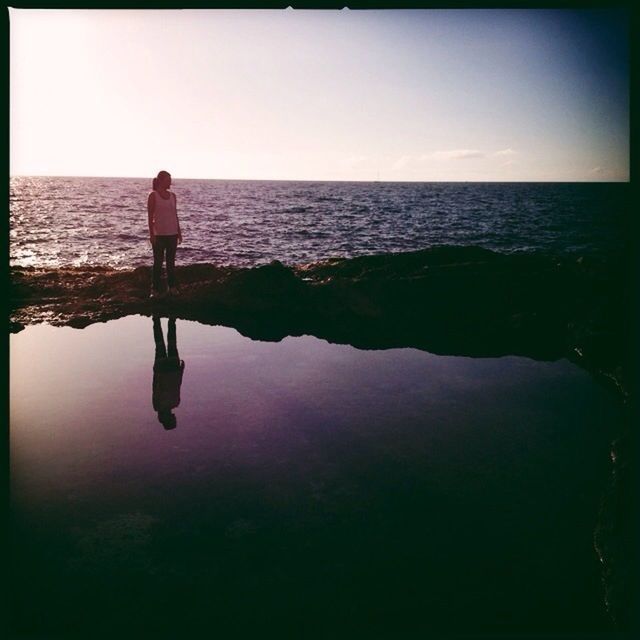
pixel 164 231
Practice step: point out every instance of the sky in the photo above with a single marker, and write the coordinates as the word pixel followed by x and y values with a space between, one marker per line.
pixel 424 95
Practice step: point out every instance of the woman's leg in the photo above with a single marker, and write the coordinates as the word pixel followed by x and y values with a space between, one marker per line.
pixel 172 245
pixel 172 344
pixel 158 338
pixel 158 258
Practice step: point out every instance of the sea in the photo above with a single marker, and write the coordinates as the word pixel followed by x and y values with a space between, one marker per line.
pixel 80 221
pixel 307 486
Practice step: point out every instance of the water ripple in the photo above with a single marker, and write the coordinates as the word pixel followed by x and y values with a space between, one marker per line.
pixel 61 221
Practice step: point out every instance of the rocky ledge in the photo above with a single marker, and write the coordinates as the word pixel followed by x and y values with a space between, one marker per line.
pixel 448 300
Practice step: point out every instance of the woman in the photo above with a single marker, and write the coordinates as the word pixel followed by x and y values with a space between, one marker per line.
pixel 164 231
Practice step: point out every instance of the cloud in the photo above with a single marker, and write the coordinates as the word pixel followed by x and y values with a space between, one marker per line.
pixel 353 161
pixel 505 152
pixel 418 162
pixel 457 154
pixel 403 161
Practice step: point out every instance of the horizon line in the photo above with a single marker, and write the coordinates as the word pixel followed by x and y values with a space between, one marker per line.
pixel 559 181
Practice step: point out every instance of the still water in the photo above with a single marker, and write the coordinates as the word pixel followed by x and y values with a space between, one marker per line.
pixel 307 487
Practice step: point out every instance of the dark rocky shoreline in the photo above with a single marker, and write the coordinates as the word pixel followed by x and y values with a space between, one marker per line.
pixel 449 300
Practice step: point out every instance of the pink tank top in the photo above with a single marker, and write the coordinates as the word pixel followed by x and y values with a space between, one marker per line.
pixel 165 218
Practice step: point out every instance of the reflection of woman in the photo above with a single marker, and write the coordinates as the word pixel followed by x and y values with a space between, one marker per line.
pixel 164 230
pixel 167 374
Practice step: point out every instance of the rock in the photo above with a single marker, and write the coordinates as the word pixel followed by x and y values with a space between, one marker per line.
pixel 456 300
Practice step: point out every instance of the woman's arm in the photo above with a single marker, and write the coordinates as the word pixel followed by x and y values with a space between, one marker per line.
pixel 151 201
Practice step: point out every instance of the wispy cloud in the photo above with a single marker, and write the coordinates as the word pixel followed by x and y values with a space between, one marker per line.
pixel 458 154
pixel 350 162
pixel 504 153
pixel 419 161
pixel 403 162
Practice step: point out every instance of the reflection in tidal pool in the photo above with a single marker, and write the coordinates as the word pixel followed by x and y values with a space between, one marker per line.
pixel 304 485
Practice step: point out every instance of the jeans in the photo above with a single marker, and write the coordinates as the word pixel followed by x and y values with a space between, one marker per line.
pixel 163 244
pixel 161 350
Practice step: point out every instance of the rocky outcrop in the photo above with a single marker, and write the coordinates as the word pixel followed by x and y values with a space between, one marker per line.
pixel 448 300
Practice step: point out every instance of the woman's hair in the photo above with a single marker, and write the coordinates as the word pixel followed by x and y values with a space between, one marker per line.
pixel 160 175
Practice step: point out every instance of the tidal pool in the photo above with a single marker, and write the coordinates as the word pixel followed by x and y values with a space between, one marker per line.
pixel 305 487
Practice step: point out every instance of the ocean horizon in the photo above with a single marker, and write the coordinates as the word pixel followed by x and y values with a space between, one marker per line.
pixel 79 221
pixel 101 177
